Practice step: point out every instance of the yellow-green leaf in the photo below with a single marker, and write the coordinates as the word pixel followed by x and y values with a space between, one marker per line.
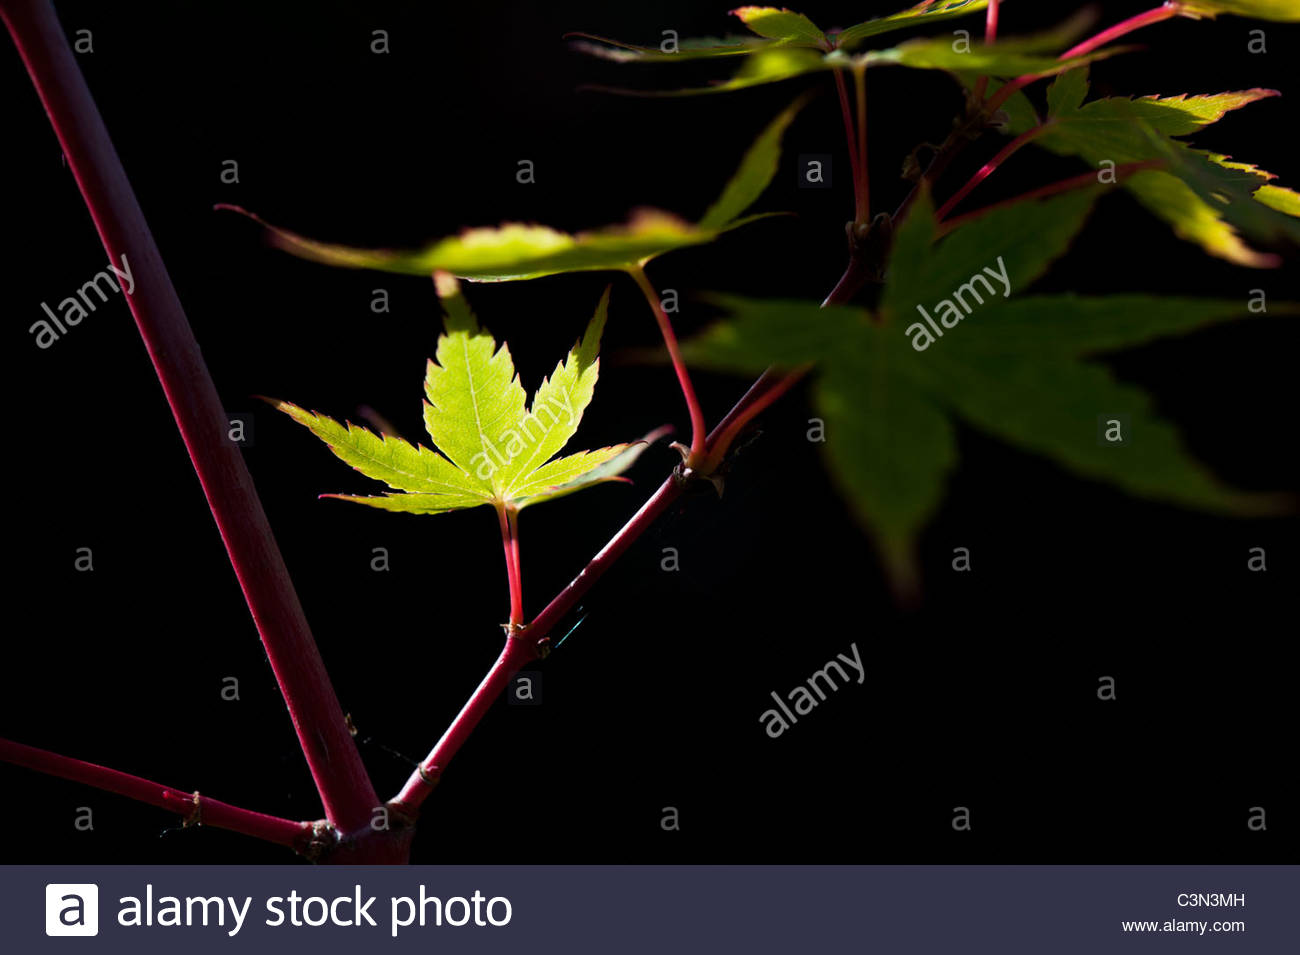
pixel 499 450
pixel 774 23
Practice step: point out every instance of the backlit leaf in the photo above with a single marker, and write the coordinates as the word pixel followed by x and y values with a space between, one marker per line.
pixel 498 449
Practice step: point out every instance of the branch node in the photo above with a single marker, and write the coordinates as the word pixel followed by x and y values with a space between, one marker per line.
pixel 430 776
pixel 195 816
pixel 317 838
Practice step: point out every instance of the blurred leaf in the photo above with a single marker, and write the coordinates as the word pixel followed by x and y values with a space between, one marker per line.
pixel 1010 366
pixel 1006 58
pixel 797 50
pixel 776 28
pixel 515 251
pixel 494 448
pixel 780 24
pixel 1279 198
pixel 923 14
pixel 695 49
pixel 1260 9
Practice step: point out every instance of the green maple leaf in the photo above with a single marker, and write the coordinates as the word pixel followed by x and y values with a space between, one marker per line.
pixel 889 388
pixel 491 445
pixel 516 251
pixel 790 45
pixel 1206 198
pixel 778 28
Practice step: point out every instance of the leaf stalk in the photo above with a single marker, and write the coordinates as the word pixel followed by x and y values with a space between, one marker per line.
pixel 698 427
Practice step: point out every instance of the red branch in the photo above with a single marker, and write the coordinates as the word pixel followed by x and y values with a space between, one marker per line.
pixel 1155 15
pixel 197 810
pixel 331 753
pixel 987 169
pixel 856 161
pixel 1080 181
pixel 990 34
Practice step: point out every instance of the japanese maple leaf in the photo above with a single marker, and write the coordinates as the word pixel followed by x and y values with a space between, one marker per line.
pixel 491 446
pixel 955 337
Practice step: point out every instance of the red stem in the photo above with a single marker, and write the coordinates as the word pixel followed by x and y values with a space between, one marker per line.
pixel 862 190
pixel 1074 182
pixel 990 35
pixel 510 539
pixel 331 753
pixel 202 810
pixel 518 651
pixel 855 276
pixel 1155 15
pixel 736 423
pixel 698 427
pixel 850 137
pixel 992 164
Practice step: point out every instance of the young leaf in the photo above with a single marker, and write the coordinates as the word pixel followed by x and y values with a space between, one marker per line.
pixel 889 388
pixel 495 448
pixel 515 251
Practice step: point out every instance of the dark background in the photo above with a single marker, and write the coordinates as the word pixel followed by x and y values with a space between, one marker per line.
pixel 985 697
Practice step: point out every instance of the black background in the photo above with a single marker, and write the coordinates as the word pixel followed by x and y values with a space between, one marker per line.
pixel 985 697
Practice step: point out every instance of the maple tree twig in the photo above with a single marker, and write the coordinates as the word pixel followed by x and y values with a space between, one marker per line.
pixel 987 169
pixel 345 788
pixel 197 809
pixel 856 159
pixel 990 35
pixel 1064 185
